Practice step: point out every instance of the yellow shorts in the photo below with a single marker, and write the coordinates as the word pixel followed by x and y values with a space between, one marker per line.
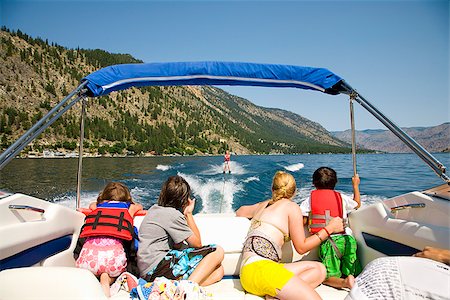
pixel 264 277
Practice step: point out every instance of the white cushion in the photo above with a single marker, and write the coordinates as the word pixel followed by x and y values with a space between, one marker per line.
pixel 49 283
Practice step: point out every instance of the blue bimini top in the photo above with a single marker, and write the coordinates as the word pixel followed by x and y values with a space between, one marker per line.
pixel 119 77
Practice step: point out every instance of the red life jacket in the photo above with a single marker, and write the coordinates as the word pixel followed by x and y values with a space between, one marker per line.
pixel 108 221
pixel 226 157
pixel 325 204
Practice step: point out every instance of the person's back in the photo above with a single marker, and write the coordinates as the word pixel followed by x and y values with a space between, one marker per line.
pixel 273 223
pixel 171 244
pixel 405 277
pixel 274 220
pixel 338 253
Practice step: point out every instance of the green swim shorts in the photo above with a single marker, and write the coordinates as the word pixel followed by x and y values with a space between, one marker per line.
pixel 348 264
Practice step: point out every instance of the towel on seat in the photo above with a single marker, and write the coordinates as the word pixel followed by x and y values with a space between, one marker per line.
pixel 163 288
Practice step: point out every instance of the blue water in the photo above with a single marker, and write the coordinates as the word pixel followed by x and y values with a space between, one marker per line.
pixel 382 176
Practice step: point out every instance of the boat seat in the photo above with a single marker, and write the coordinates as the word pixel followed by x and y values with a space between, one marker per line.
pixel 230 237
pixel 50 283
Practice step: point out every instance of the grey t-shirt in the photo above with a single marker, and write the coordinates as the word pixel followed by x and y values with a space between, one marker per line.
pixel 160 229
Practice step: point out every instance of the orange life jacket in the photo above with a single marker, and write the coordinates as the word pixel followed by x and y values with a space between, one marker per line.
pixel 109 221
pixel 325 205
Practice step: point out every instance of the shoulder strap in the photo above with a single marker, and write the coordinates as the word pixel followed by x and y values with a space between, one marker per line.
pixel 102 217
pixel 260 210
pixel 257 219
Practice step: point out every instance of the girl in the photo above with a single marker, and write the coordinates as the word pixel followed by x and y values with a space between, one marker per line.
pixel 106 228
pixel 275 222
pixel 170 242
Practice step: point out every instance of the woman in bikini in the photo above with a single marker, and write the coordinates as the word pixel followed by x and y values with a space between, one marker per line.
pixel 275 222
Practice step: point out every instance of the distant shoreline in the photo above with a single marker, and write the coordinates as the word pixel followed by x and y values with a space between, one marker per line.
pixel 198 155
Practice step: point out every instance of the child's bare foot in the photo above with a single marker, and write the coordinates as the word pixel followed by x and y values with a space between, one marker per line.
pixel 349 282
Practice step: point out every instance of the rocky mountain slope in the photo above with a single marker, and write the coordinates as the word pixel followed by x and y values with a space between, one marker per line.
pixel 434 139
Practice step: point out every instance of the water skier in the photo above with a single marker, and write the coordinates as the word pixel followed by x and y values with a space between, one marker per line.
pixel 226 162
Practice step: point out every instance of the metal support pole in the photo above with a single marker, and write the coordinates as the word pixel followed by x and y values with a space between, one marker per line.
pixel 39 127
pixel 352 123
pixel 80 151
pixel 434 164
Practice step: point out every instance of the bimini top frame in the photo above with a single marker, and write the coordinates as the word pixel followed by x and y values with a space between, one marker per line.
pixel 119 77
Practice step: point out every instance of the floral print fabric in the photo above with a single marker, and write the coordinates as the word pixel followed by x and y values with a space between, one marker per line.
pixel 179 264
pixel 166 289
pixel 103 255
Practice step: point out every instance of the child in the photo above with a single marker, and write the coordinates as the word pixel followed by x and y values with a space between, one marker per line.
pixel 338 253
pixel 106 228
pixel 169 240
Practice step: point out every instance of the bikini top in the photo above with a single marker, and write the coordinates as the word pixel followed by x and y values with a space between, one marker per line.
pixel 256 222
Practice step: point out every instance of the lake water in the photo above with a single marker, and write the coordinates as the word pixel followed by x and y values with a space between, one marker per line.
pixel 382 176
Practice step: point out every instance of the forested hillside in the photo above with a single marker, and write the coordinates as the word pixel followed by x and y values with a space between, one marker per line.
pixel 36 74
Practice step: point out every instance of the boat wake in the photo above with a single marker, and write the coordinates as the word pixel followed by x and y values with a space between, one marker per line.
pixel 163 167
pixel 216 194
pixel 294 167
pixel 69 199
pixel 303 194
pixel 236 169
pixel 250 179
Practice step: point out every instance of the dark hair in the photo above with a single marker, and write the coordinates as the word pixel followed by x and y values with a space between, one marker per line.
pixel 115 191
pixel 175 193
pixel 324 178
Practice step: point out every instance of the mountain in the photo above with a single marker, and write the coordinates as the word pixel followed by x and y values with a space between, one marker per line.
pixel 434 139
pixel 35 75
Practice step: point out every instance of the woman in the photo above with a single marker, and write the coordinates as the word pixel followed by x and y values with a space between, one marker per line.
pixel 170 242
pixel 275 222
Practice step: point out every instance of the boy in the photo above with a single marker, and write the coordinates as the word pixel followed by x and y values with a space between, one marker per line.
pixel 338 253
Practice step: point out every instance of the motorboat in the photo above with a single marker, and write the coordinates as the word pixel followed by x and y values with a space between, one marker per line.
pixel 39 237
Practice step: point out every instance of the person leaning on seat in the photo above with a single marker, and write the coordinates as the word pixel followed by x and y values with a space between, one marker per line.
pixel 273 223
pixel 170 242
pixel 425 275
pixel 338 253
pixel 103 251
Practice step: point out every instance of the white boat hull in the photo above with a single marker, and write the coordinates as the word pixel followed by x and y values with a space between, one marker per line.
pixel 37 261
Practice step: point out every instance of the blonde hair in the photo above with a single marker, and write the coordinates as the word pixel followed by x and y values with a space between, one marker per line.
pixel 283 186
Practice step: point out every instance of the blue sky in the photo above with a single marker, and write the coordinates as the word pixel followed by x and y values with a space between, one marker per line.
pixel 395 53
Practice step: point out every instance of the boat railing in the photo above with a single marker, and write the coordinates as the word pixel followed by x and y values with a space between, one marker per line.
pixel 41 125
pixel 426 156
